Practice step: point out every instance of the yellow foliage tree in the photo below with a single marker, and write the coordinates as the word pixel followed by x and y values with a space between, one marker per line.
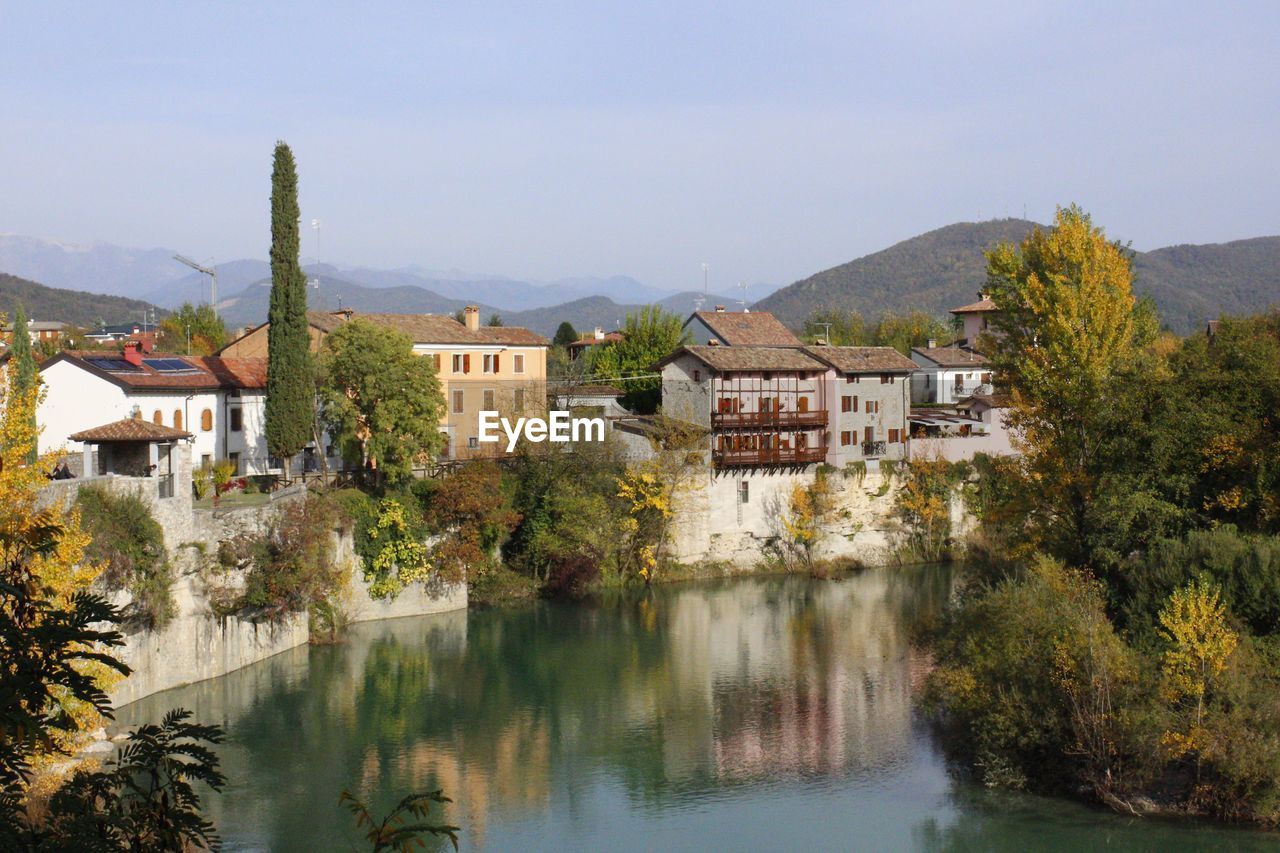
pixel 808 508
pixel 63 570
pixel 1200 643
pixel 1068 328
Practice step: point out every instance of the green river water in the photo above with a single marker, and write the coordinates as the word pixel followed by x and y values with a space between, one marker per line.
pixel 757 713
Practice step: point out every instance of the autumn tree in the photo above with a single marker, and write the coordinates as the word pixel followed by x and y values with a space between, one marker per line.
pixel 1199 642
pixel 1068 335
pixel 27 375
pixel 196 330
pixel 803 518
pixel 648 336
pixel 381 402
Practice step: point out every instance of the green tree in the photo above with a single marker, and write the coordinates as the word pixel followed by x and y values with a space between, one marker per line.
pixel 495 319
pixel 381 402
pixel 647 337
pixel 915 329
pixel 565 334
pixel 197 330
pixel 27 376
pixel 1069 339
pixel 290 400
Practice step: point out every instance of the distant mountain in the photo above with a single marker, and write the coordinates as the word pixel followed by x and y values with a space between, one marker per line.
pixel 97 268
pixel 944 269
pixel 69 306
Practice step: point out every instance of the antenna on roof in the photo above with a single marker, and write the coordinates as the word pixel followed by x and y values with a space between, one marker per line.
pixel 742 286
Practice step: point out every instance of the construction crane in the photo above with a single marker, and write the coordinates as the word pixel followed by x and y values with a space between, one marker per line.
pixel 212 272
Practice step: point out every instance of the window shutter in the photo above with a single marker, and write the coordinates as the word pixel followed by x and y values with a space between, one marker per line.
pixel 436 358
pixel 496 368
pixel 466 363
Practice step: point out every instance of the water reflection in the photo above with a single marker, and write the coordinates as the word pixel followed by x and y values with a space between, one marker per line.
pixel 728 714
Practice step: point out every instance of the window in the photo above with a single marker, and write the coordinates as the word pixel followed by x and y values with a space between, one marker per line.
pixel 206 460
pixel 517 363
pixel 846 403
pixel 177 418
pixel 206 420
pixel 886 378
pixel 435 359
pixel 457 402
pixel 854 379
pixel 490 363
pixel 519 399
pixel 235 461
pixel 237 420
pixel 462 362
pixel 157 418
pixel 488 399
pixel 846 438
pixel 873 406
pixel 893 436
pixel 744 491
pixel 697 376
pixel 473 443
pixel 869 434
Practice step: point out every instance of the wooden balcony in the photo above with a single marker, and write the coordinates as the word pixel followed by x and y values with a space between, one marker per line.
pixel 769 420
pixel 771 456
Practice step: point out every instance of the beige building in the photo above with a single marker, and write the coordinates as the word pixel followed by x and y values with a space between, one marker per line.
pixel 481 368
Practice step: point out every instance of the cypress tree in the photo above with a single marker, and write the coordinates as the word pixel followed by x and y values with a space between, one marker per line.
pixel 25 374
pixel 290 386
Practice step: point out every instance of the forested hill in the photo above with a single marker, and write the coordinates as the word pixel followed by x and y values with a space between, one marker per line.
pixel 943 269
pixel 69 306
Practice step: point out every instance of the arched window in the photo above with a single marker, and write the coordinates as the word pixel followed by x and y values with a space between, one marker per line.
pixel 157 418
pixel 177 418
pixel 206 420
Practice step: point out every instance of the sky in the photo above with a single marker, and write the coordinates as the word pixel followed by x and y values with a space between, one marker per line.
pixel 557 139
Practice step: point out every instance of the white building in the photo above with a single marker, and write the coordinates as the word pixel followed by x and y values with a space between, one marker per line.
pixel 221 402
pixel 947 375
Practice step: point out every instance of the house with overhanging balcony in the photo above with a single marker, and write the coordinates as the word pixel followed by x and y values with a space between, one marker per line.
pixel 946 375
pixel 764 406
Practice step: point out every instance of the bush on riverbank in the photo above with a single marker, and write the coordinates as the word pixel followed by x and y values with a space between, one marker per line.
pixel 129 543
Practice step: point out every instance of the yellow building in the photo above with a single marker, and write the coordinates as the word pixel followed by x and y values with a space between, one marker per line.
pixel 493 368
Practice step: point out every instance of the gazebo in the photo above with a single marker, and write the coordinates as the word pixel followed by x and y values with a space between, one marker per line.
pixel 132 448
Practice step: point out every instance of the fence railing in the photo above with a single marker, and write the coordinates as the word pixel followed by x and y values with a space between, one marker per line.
pixel 779 456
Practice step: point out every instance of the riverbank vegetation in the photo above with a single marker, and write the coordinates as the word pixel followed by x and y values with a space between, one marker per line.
pixel 1121 638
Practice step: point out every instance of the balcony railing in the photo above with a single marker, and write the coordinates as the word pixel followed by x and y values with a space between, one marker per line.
pixel 772 456
pixel 735 420
pixel 968 389
pixel 874 448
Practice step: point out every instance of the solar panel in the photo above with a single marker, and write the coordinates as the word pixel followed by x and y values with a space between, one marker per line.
pixel 168 365
pixel 110 364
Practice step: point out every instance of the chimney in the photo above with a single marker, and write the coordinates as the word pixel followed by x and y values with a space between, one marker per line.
pixel 932 343
pixel 133 352
pixel 719 309
pixel 471 314
pixel 599 334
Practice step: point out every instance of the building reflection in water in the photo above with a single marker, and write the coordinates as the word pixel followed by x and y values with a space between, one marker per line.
pixel 684 692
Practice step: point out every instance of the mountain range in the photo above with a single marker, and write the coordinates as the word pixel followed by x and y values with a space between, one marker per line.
pixel 933 272
pixel 945 268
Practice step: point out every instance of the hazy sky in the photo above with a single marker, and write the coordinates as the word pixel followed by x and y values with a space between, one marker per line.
pixel 553 139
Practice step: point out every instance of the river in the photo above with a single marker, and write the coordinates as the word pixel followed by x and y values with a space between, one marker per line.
pixel 755 713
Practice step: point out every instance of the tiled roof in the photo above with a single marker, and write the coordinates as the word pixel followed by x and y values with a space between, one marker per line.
pixel 863 359
pixel 740 358
pixel 952 356
pixel 427 329
pixel 748 329
pixel 983 304
pixel 991 401
pixel 592 341
pixel 206 372
pixel 513 336
pixel 130 429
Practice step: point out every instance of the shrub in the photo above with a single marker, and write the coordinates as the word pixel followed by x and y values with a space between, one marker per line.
pixel 291 567
pixel 127 539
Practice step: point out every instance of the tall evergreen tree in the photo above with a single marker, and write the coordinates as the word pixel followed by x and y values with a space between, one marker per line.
pixel 26 375
pixel 290 386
